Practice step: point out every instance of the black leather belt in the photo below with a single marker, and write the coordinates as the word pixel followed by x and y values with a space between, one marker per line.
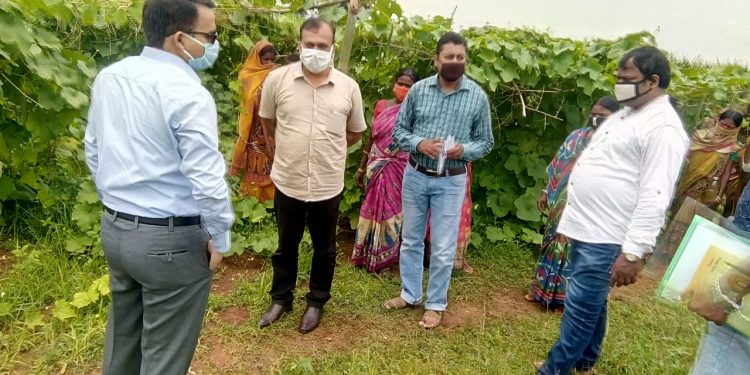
pixel 448 172
pixel 178 221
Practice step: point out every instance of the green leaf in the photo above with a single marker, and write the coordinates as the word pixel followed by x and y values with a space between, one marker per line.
pixel 531 236
pixel 34 319
pixel 6 187
pixel 101 285
pixel 508 71
pixel 5 308
pixel 244 42
pixel 78 244
pixel 88 193
pixel 526 207
pixel 63 310
pixel 83 299
pixel 495 234
pixel 75 98
pixel 86 215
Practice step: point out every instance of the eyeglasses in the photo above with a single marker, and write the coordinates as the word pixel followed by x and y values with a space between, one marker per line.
pixel 210 36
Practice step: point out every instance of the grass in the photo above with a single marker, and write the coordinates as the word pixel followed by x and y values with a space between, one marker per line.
pixel 488 329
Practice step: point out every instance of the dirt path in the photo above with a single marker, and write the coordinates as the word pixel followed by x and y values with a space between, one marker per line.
pixel 230 341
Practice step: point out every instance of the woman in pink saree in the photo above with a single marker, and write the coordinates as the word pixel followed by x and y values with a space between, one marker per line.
pixel 381 172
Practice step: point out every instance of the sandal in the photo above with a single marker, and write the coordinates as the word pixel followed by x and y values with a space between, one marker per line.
pixel 431 319
pixel 397 303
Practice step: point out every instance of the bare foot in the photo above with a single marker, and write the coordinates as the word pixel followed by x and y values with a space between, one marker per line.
pixel 467 267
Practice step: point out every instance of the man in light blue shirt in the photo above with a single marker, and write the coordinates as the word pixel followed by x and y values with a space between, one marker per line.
pixel 445 107
pixel 152 148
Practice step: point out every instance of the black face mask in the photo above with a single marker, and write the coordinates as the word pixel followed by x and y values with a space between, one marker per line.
pixel 451 72
pixel 595 122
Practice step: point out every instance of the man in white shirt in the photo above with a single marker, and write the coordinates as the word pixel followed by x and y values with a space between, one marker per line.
pixel 618 193
pixel 152 148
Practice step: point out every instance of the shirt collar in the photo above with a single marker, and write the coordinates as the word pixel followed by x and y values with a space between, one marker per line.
pixel 654 103
pixel 433 81
pixel 298 73
pixel 169 58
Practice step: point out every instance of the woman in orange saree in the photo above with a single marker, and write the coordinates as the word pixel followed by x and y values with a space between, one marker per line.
pixel 249 159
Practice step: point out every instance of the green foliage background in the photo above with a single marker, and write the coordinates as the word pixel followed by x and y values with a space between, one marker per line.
pixel 541 88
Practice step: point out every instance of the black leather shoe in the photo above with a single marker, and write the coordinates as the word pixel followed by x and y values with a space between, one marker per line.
pixel 273 314
pixel 311 319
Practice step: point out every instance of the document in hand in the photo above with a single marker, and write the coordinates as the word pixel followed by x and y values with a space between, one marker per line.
pixel 706 253
pixel 448 144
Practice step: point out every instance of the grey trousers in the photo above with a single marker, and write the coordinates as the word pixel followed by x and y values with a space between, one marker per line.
pixel 160 280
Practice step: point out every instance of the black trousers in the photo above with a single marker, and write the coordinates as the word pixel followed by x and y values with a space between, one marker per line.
pixel 292 216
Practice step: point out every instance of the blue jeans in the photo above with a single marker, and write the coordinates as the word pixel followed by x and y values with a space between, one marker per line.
pixel 584 321
pixel 441 198
pixel 723 351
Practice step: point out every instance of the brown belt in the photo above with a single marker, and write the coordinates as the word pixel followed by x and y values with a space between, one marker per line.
pixel 446 172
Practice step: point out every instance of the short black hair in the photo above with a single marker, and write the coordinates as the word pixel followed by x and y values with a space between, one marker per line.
pixel 733 115
pixel 453 38
pixel 291 58
pixel 409 72
pixel 649 61
pixel 315 23
pixel 609 102
pixel 162 18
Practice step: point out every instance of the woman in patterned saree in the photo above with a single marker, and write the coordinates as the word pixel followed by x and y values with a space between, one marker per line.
pixel 548 283
pixel 381 172
pixel 249 158
pixel 711 171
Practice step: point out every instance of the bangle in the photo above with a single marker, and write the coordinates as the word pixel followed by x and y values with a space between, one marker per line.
pixel 360 170
pixel 367 153
pixel 544 191
pixel 722 300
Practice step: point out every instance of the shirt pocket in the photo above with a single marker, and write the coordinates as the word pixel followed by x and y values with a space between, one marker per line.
pixel 333 117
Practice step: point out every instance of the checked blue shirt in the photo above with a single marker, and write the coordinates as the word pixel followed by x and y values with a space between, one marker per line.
pixel 428 113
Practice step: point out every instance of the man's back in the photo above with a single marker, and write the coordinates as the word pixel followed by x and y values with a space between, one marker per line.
pixel 138 109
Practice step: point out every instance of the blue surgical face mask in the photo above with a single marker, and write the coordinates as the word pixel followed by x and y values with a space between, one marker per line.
pixel 210 55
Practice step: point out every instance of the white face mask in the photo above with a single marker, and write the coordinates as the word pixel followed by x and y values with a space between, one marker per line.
pixel 625 92
pixel 315 60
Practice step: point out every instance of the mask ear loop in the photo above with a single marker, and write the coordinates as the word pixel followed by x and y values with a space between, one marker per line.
pixel 196 41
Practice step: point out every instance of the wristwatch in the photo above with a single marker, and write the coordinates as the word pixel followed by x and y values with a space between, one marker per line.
pixel 634 258
pixel 631 257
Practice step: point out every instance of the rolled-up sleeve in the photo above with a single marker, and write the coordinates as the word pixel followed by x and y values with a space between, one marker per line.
pixel 664 152
pixel 403 135
pixel 196 131
pixel 482 139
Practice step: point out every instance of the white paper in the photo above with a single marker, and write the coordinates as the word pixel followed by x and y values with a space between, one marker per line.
pixel 448 144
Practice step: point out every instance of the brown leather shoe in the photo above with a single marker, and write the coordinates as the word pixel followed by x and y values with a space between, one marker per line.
pixel 273 314
pixel 311 319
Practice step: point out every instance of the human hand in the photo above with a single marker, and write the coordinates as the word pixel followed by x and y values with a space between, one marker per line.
pixel 541 203
pixel 214 257
pixel 359 178
pixel 714 202
pixel 701 302
pixel 625 272
pixel 430 147
pixel 457 152
pixel 270 148
pixel 354 7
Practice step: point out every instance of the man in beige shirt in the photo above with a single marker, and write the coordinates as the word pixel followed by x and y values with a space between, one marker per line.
pixel 311 112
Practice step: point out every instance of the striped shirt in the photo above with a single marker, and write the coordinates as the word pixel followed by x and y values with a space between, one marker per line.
pixel 428 113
